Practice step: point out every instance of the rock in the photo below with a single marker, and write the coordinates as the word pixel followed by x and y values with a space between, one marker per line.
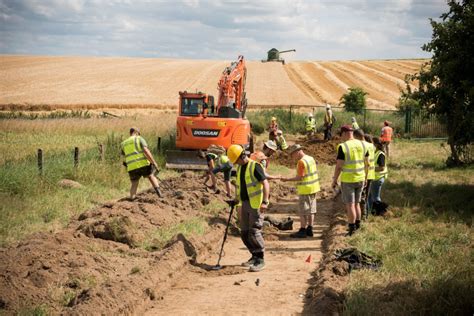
pixel 205 200
pixel 69 184
pixel 187 174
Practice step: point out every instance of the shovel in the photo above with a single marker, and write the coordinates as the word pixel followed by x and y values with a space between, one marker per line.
pixel 231 204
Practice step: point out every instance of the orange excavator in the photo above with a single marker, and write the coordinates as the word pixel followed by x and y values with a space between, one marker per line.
pixel 202 123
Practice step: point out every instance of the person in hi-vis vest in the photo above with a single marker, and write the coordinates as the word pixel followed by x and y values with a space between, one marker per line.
pixel 352 164
pixel 307 185
pixel 139 161
pixel 252 193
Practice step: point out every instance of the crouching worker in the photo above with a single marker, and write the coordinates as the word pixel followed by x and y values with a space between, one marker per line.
pixel 307 186
pixel 217 161
pixel 252 195
pixel 139 161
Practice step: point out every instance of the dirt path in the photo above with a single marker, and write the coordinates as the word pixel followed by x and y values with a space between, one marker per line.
pixel 279 289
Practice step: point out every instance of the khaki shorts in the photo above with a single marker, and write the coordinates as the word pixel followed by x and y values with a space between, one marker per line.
pixel 307 204
pixel 351 192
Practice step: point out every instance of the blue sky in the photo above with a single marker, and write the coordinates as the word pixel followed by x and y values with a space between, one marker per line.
pixel 318 30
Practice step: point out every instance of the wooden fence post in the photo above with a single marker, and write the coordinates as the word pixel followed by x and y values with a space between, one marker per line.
pixel 40 161
pixel 158 145
pixel 101 152
pixel 76 157
pixel 291 123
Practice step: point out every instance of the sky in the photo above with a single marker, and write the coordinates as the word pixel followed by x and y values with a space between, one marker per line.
pixel 218 29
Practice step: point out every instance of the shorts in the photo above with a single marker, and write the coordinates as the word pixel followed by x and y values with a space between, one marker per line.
pixel 351 192
pixel 226 169
pixel 140 172
pixel 307 204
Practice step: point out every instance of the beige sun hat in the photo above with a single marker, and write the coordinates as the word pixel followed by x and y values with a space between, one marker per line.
pixel 294 148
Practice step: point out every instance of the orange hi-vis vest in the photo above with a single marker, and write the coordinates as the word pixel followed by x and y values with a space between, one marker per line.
pixel 387 132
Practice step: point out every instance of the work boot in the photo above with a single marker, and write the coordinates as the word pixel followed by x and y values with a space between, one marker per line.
pixel 300 234
pixel 309 231
pixel 357 224
pixel 351 230
pixel 249 262
pixel 258 265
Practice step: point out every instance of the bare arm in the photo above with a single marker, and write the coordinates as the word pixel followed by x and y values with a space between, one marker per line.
pixel 337 171
pixel 295 178
pixel 149 156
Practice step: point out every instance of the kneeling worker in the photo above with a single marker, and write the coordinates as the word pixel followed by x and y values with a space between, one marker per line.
pixel 139 161
pixel 307 185
pixel 252 194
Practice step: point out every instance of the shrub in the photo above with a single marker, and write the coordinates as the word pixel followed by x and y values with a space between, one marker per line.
pixel 354 100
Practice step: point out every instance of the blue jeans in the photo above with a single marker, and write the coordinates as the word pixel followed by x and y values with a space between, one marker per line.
pixel 375 191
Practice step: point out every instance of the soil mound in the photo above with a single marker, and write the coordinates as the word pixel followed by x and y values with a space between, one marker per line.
pixel 322 151
pixel 110 258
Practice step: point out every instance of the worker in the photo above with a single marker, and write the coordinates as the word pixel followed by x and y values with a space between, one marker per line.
pixel 262 157
pixel 280 140
pixel 386 137
pixel 352 164
pixel 355 125
pixel 307 186
pixel 366 139
pixel 310 124
pixel 273 128
pixel 252 193
pixel 381 172
pixel 217 161
pixel 329 121
pixel 139 162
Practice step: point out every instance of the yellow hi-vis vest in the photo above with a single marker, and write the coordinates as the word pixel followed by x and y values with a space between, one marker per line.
pixel 309 184
pixel 310 123
pixel 281 142
pixel 134 156
pixel 223 159
pixel 384 173
pixel 371 149
pixel 354 168
pixel 355 126
pixel 254 188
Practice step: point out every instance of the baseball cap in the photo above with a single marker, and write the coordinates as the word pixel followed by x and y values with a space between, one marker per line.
pixel 346 128
pixel 134 129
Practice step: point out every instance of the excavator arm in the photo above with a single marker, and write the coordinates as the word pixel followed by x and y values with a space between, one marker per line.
pixel 231 86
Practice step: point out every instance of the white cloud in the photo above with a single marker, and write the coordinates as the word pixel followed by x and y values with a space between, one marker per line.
pixel 339 29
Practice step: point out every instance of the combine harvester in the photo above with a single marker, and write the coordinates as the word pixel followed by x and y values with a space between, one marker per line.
pixel 274 55
pixel 201 123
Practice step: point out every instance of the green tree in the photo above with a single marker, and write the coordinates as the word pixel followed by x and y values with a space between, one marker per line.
pixel 354 100
pixel 447 81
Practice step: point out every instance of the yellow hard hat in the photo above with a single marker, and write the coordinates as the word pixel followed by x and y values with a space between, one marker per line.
pixel 234 152
pixel 274 118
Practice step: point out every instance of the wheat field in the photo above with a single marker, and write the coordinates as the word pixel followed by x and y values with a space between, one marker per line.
pixel 48 83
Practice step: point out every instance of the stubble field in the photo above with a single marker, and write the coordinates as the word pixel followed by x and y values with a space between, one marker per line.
pixel 48 83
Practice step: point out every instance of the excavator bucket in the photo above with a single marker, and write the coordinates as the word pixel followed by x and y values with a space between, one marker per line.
pixel 185 160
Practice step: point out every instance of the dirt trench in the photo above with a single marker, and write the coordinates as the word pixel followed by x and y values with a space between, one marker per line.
pixel 109 260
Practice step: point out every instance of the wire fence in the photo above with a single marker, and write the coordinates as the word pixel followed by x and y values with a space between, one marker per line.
pixel 407 124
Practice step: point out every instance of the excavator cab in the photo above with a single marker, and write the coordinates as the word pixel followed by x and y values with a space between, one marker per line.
pixel 202 123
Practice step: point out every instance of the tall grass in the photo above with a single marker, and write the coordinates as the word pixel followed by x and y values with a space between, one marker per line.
pixel 425 245
pixel 33 202
pixel 293 123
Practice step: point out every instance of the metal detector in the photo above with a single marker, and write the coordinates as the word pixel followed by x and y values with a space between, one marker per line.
pixel 232 206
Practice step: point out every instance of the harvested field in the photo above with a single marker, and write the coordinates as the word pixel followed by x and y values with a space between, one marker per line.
pixel 48 83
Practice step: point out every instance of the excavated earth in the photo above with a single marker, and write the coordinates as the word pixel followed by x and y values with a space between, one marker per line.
pixel 110 261
pixel 322 151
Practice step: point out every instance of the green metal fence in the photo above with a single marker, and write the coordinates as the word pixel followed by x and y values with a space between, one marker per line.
pixel 409 124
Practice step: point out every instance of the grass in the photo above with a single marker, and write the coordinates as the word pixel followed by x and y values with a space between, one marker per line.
pixel 294 123
pixel 33 202
pixel 161 236
pixel 425 245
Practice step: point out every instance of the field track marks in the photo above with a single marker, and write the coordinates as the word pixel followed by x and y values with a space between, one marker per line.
pixel 375 98
pixel 303 82
pixel 330 92
pixel 388 88
pixel 403 67
pixel 386 76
